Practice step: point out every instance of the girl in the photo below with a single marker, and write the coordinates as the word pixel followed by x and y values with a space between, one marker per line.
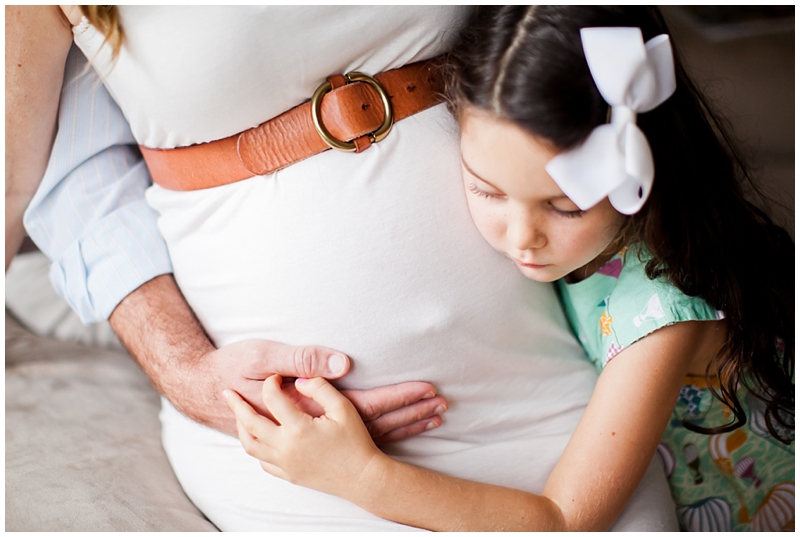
pixel 590 159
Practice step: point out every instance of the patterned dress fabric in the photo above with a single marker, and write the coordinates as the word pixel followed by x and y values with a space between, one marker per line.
pixel 741 480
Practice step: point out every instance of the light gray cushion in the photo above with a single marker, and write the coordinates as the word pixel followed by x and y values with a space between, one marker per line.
pixel 83 444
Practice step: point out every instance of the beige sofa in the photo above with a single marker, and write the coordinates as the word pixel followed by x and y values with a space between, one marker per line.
pixel 83 445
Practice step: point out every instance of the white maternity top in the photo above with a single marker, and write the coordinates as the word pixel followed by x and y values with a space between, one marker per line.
pixel 373 254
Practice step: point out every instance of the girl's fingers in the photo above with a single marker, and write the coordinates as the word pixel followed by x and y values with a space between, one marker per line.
pixel 259 448
pixel 244 435
pixel 273 470
pixel 282 408
pixel 254 424
pixel 329 398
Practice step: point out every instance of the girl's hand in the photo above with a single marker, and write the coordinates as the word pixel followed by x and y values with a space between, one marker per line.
pixel 332 453
pixel 390 413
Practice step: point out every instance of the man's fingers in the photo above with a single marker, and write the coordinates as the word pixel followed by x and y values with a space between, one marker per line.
pixel 374 403
pixel 409 430
pixel 407 415
pixel 292 361
pixel 310 361
pixel 279 405
pixel 329 398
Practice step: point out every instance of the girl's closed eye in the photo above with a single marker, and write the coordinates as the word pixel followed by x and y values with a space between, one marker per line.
pixel 472 187
pixel 561 209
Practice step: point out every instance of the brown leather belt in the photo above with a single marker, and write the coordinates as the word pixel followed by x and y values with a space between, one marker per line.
pixel 350 111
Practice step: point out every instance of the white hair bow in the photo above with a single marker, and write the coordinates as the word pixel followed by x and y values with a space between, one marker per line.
pixel 615 160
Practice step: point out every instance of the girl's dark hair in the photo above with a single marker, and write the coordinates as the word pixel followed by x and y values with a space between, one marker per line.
pixel 526 65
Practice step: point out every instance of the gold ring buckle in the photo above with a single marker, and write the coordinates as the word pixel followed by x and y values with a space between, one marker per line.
pixel 348 145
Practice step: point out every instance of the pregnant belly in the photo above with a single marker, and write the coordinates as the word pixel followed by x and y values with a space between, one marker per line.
pixel 383 263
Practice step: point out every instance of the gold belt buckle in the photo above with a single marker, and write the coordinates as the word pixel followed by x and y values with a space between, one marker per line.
pixel 348 145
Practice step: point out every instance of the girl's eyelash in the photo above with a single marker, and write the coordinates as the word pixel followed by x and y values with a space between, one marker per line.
pixel 475 190
pixel 568 214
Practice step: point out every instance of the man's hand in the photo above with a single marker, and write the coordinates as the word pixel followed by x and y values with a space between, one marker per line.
pixel 389 412
pixel 160 330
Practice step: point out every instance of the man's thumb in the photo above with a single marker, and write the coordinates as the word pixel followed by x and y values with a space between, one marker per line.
pixel 311 361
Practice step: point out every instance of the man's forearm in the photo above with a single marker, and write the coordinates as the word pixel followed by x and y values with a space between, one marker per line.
pixel 160 330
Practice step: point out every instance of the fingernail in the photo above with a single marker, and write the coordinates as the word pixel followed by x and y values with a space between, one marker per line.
pixel 440 409
pixel 225 394
pixel 431 425
pixel 337 364
pixel 429 395
pixel 300 380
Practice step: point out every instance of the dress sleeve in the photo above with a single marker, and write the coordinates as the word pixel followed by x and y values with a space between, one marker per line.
pixel 89 215
pixel 639 306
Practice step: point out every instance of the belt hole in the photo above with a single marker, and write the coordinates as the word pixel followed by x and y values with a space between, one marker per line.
pixel 364 106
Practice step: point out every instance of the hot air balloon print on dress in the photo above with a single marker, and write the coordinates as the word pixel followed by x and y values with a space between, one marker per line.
pixel 692 458
pixel 651 311
pixel 667 458
pixel 776 512
pixel 758 421
pixel 746 469
pixel 720 446
pixel 711 514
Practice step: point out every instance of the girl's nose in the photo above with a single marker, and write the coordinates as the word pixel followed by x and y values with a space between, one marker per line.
pixel 524 233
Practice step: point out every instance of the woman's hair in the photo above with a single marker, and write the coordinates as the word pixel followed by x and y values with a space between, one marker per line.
pixel 106 20
pixel 526 65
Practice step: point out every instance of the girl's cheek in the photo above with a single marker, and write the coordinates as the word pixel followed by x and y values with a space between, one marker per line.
pixel 489 222
pixel 476 210
pixel 575 239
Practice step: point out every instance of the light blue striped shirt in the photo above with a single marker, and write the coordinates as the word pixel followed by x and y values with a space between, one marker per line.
pixel 89 215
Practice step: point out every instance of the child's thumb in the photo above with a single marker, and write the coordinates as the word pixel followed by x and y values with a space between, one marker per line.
pixel 323 392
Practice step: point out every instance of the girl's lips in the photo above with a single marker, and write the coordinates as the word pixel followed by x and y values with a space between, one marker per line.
pixel 529 265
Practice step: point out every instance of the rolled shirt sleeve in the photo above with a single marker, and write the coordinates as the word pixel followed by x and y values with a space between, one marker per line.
pixel 89 215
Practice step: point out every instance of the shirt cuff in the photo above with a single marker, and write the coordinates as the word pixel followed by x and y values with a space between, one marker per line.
pixel 115 256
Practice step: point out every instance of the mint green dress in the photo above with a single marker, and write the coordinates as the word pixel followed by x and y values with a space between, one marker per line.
pixel 737 481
